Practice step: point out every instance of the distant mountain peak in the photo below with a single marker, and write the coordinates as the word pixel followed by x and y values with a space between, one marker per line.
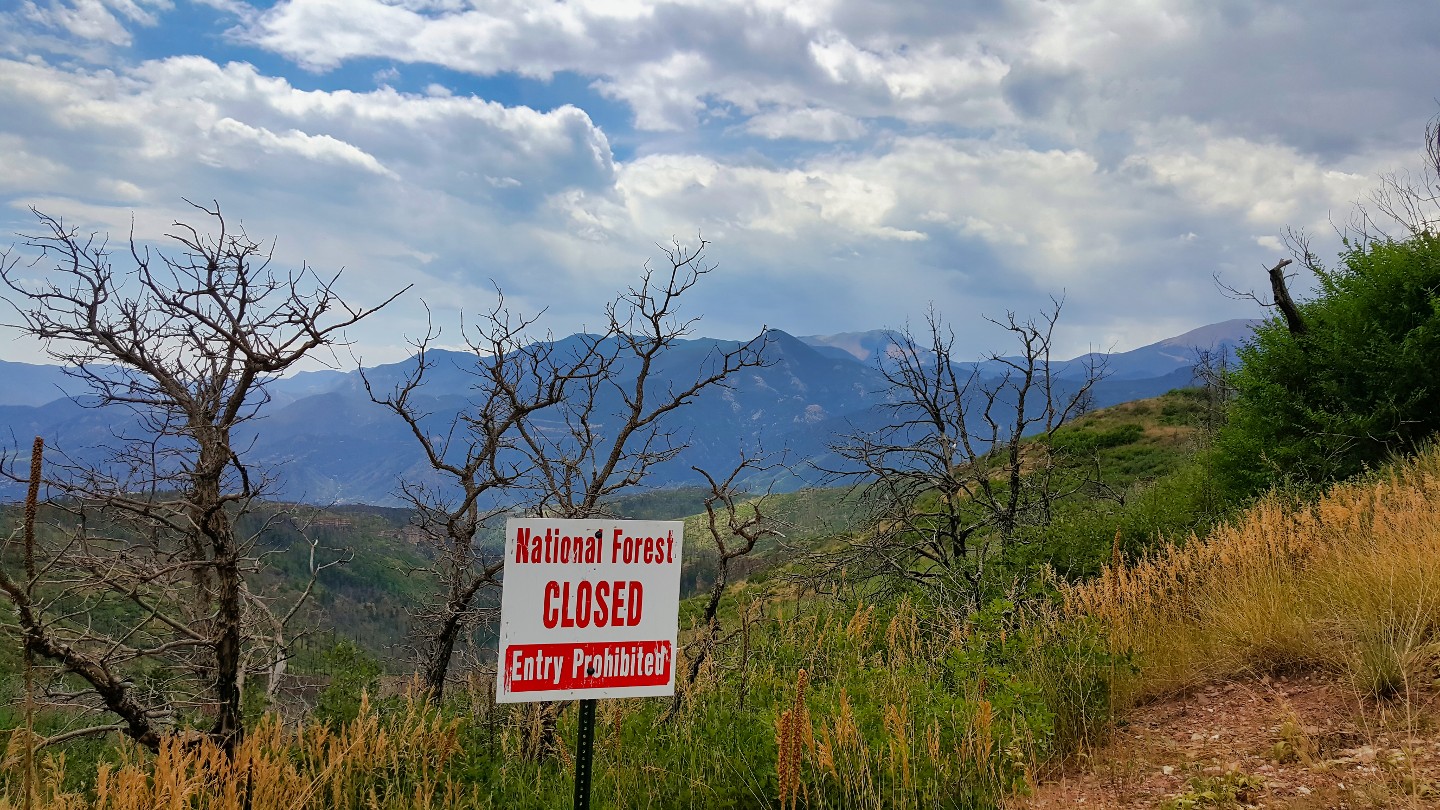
pixel 1231 332
pixel 862 346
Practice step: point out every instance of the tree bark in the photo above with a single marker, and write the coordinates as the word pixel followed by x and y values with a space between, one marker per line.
pixel 1284 302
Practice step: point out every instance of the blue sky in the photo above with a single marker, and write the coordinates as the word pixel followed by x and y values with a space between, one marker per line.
pixel 850 161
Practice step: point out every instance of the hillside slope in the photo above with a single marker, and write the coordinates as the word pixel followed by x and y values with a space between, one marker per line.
pixel 1285 659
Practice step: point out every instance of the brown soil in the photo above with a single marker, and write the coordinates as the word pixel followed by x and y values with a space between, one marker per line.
pixel 1298 742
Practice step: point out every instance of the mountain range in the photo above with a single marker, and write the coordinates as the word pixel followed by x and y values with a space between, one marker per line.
pixel 325 442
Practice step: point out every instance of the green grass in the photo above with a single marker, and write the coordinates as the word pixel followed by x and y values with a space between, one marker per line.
pixel 903 702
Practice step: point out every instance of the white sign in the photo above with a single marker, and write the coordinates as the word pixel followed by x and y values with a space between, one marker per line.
pixel 590 609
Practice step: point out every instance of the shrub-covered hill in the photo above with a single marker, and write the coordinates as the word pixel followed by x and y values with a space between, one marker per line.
pixel 1152 479
pixel 835 700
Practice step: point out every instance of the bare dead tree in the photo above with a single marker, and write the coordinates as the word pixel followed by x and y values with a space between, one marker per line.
pixel 142 593
pixel 1293 320
pixel 1213 371
pixel 966 460
pixel 1407 201
pixel 735 521
pixel 514 379
pixel 611 429
pixel 268 640
pixel 1280 298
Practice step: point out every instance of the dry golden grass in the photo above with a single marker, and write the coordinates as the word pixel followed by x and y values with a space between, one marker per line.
pixel 820 706
pixel 365 764
pixel 1349 584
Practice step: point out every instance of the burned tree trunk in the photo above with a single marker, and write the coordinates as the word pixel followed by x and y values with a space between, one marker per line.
pixel 1283 301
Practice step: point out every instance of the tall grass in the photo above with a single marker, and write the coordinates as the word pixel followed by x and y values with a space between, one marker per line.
pixel 816 703
pixel 368 763
pixel 821 702
pixel 1349 583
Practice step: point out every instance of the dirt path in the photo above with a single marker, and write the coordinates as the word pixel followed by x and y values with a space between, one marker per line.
pixel 1301 742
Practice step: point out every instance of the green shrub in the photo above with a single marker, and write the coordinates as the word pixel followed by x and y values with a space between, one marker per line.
pixel 1084 441
pixel 352 672
pixel 1081 537
pixel 1356 387
pixel 1076 671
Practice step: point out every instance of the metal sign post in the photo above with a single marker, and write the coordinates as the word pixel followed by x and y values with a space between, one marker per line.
pixel 584 754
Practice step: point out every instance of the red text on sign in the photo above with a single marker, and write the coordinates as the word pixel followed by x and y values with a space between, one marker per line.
pixel 648 550
pixel 592 604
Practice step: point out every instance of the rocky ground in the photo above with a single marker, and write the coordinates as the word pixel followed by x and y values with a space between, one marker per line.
pixel 1298 742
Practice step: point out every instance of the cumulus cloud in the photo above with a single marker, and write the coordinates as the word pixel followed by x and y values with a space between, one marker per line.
pixel 1268 184
pixel 380 181
pixel 981 224
pixel 165 116
pixel 669 61
pixel 1084 66
pixel 855 158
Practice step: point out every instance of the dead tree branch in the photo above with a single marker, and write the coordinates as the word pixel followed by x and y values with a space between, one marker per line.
pixel 179 346
pixel 967 458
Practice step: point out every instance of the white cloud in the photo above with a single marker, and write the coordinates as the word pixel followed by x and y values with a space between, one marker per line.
pixel 172 112
pixel 667 60
pixel 661 93
pixel 397 186
pixel 806 124
pixel 674 193
pixel 1075 69
pixel 984 225
pixel 235 8
pixel 22 169
pixel 97 20
pixel 1268 184
pixel 233 136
